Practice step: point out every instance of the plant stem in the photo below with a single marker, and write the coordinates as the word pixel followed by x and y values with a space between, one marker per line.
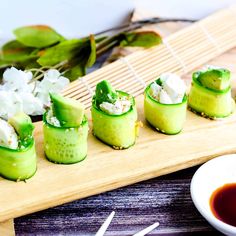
pixel 106 47
pixel 40 76
pixel 112 41
pixel 107 41
pixel 138 24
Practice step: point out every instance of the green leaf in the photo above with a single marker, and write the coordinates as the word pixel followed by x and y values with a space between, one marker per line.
pixel 84 57
pixel 75 72
pixel 92 55
pixel 76 66
pixel 100 39
pixel 77 53
pixel 4 64
pixel 144 39
pixel 38 36
pixel 63 51
pixel 28 64
pixel 15 51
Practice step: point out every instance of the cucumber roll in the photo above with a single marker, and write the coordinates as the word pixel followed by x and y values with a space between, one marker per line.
pixel 65 131
pixel 210 93
pixel 165 103
pixel 114 116
pixel 17 148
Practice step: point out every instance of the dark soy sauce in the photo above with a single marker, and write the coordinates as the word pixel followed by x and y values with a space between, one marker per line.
pixel 223 203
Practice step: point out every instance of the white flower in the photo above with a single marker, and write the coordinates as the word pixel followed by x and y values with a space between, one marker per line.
pixel 17 94
pixel 17 80
pixel 52 82
pixel 31 104
pixel 10 104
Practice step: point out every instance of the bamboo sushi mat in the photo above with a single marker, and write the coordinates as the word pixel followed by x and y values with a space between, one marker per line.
pixel 179 53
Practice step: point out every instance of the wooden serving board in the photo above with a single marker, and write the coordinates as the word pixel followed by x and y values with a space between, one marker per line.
pixel 7 228
pixel 105 169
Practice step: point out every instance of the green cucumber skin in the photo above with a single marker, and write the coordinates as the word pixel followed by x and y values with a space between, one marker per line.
pixel 210 103
pixel 166 118
pixel 113 146
pixel 118 131
pixel 65 145
pixel 20 164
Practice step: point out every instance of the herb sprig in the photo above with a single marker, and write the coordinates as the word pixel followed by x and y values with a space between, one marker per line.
pixel 39 47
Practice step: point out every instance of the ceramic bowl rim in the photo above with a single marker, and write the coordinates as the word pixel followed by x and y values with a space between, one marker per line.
pixel 207 214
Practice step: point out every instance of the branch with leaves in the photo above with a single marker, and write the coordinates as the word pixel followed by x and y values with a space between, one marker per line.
pixel 39 47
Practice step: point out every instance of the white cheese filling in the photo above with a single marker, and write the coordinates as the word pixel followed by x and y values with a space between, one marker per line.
pixel 52 120
pixel 171 91
pixel 8 136
pixel 121 106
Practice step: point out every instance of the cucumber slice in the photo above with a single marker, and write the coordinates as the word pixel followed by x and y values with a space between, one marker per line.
pixel 18 164
pixel 210 103
pixel 166 118
pixel 64 145
pixel 118 131
pixel 22 124
pixel 215 79
pixel 68 111
pixel 105 93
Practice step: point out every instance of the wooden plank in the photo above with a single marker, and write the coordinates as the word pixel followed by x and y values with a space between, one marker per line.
pixel 7 228
pixel 104 169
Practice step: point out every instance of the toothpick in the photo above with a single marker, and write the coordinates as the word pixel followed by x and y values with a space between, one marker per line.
pixel 105 225
pixel 147 230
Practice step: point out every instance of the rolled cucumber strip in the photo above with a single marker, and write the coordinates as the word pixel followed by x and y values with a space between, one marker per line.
pixel 210 103
pixel 65 145
pixel 118 131
pixel 18 164
pixel 166 118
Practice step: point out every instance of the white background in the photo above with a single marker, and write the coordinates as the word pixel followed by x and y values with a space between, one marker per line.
pixel 74 18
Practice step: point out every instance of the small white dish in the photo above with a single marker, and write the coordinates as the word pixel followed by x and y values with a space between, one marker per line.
pixel 210 176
